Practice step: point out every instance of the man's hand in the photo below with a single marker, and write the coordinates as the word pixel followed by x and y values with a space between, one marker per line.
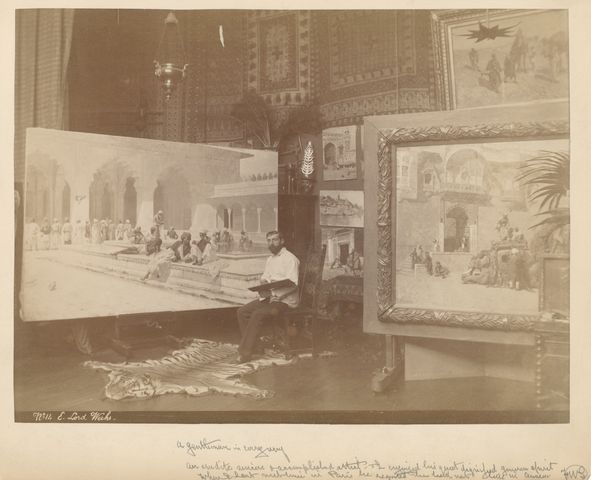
pixel 265 294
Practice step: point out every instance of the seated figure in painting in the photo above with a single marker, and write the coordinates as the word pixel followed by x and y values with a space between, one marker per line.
pixel 440 271
pixel 172 234
pixel 245 243
pixel 201 248
pixel 336 263
pixel 184 249
pixel 160 261
pixel 151 235
pixel 480 270
pixel 226 241
pixel 354 265
pixel 137 235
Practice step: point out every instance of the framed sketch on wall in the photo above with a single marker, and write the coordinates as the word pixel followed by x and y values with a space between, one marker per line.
pixel 493 57
pixel 340 153
pixel 344 252
pixel 341 208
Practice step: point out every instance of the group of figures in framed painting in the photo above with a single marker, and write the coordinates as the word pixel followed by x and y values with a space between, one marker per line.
pixel 496 57
pixel 472 209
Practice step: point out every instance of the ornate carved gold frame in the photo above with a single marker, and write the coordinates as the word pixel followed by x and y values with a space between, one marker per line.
pixel 388 141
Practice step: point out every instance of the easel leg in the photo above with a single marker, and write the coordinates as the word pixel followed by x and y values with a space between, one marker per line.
pixel 394 368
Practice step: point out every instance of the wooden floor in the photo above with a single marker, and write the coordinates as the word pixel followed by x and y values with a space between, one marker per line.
pixel 49 375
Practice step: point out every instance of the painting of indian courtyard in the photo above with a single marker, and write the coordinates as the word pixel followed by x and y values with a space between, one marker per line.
pixel 526 61
pixel 340 153
pixel 344 252
pixel 467 233
pixel 153 225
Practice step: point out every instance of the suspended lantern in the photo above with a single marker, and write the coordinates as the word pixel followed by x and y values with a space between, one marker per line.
pixel 170 56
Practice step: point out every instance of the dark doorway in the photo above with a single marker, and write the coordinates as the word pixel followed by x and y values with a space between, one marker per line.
pixel 130 201
pixel 66 201
pixel 343 253
pixel 107 203
pixel 455 229
pixel 330 154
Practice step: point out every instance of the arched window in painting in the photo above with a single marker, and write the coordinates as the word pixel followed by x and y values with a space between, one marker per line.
pixel 330 154
pixel 173 196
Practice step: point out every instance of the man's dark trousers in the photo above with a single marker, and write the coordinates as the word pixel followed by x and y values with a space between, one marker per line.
pixel 250 320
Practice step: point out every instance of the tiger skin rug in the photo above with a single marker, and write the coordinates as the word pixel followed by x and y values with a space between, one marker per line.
pixel 201 368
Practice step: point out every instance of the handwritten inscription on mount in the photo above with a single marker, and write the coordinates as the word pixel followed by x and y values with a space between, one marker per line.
pixel 218 460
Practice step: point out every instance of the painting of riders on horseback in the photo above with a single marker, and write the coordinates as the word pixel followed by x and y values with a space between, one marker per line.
pixel 495 57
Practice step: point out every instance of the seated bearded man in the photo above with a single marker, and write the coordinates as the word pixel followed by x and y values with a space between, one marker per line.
pixel 281 265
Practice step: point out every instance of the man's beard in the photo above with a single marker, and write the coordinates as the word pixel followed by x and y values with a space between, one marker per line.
pixel 275 249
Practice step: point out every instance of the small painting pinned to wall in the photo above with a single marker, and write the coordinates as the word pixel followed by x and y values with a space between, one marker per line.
pixel 340 153
pixel 344 252
pixel 341 208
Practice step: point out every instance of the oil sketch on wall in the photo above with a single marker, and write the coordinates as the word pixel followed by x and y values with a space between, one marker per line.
pixel 474 244
pixel 502 57
pixel 341 208
pixel 340 153
pixel 344 252
pixel 169 226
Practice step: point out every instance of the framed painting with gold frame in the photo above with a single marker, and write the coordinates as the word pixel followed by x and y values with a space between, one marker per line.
pixel 461 174
pixel 494 57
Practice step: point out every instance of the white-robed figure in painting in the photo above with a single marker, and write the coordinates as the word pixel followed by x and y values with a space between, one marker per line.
pixel 95 232
pixel 67 230
pixel 78 233
pixel 32 235
pixel 160 260
pixel 56 231
pixel 205 252
pixel 43 238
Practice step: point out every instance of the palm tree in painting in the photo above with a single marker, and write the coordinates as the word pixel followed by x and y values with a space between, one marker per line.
pixel 549 176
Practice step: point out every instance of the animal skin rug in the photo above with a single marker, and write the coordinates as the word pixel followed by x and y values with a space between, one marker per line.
pixel 201 368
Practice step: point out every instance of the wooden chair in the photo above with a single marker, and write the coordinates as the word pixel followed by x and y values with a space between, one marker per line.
pixel 300 324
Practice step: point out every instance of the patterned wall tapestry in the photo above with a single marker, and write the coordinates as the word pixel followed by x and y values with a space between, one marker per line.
pixel 371 63
pixel 353 63
pixel 215 77
pixel 279 56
